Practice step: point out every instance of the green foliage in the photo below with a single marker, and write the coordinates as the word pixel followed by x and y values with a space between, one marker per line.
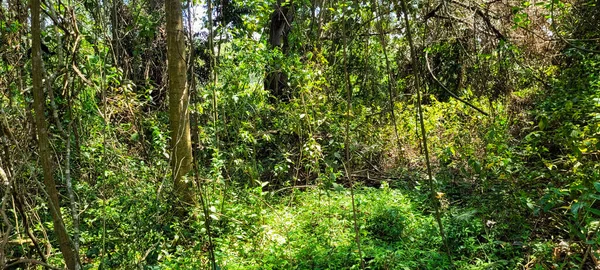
pixel 387 225
pixel 316 231
pixel 519 188
pixel 566 140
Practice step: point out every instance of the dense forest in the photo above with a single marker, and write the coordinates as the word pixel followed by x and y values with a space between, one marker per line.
pixel 300 134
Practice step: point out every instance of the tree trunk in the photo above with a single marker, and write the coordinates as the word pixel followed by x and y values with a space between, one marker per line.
pixel 65 244
pixel 181 154
pixel 116 44
pixel 279 29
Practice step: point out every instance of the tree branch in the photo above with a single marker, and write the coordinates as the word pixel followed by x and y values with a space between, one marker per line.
pixel 30 261
pixel 448 90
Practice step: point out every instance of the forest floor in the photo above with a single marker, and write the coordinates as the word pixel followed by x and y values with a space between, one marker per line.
pixel 314 229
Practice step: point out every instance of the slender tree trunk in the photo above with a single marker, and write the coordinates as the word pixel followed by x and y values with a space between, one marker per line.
pixel 348 166
pixel 279 29
pixel 181 154
pixel 116 45
pixel 64 241
pixel 417 76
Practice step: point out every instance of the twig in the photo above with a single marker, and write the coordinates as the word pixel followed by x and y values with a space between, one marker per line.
pixel 21 210
pixel 83 78
pixel 28 261
pixel 484 17
pixel 587 251
pixel 8 225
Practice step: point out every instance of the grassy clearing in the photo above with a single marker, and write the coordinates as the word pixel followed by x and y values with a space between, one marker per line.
pixel 315 231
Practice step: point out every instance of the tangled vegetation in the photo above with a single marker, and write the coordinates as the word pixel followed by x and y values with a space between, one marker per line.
pixel 300 134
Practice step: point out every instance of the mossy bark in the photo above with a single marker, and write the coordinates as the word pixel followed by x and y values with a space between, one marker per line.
pixel 181 154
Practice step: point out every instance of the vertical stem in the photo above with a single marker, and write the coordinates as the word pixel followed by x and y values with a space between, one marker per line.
pixel 37 71
pixel 205 212
pixel 417 76
pixel 67 136
pixel 115 32
pixel 347 144
pixel 6 181
pixel 391 81
pixel 68 178
pixel 105 128
pixel 70 193
pixel 213 74
pixel 199 182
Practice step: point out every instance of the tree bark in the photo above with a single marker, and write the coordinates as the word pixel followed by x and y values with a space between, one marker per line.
pixel 279 29
pixel 181 154
pixel 64 241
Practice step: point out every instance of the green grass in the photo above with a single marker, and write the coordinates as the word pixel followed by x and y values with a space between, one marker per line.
pixel 315 230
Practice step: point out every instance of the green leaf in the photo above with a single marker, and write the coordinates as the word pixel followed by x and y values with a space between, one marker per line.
pixel 594 211
pixel 475 165
pixel 338 187
pixel 575 207
pixel 530 205
pixel 569 105
pixel 597 186
pixel 543 124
